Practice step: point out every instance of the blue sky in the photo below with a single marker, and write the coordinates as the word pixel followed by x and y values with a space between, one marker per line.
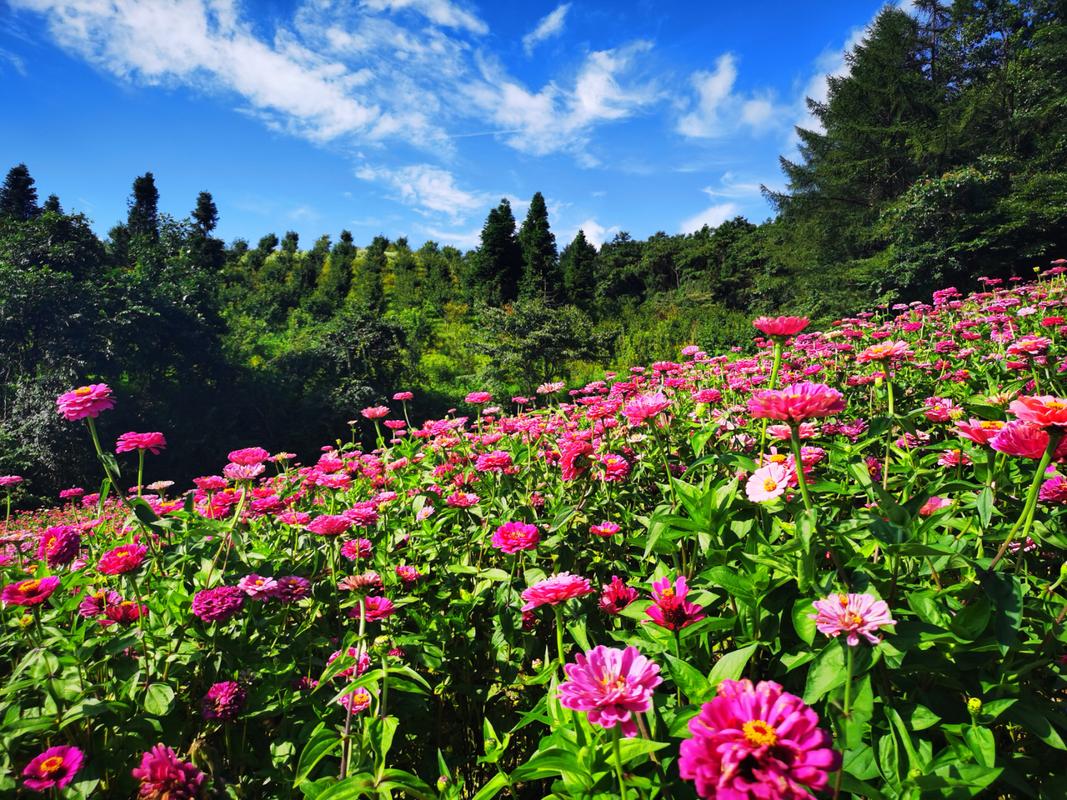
pixel 414 117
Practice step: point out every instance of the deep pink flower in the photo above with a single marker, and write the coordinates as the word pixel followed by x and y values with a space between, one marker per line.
pixel 671 610
pixel 478 398
pixel 223 701
pixel 85 401
pixel 496 461
pixel 1045 411
pixel 780 326
pixel 979 431
pixel 797 402
pixel 615 596
pixel 218 604
pixel 403 396
pixel 356 549
pixel 407 573
pixel 124 612
pixel 1054 490
pixel 757 743
pixel 291 588
pixel 94 604
pixel 55 768
pixel 154 442
pixel 122 559
pixel 555 590
pixel 933 505
pixel 164 776
pixel 7 481
pixel 462 500
pixel 853 614
pixel 1021 439
pixel 329 524
pixel 610 685
pixel 29 592
pixel 355 701
pixel 511 537
pixel 575 459
pixel 606 529
pixel 644 407
pixel 59 545
pixel 375 412
pixel 360 662
pixel 376 608
pixel 211 483
pixel 248 456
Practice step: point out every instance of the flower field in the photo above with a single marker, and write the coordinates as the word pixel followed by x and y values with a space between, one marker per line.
pixel 832 564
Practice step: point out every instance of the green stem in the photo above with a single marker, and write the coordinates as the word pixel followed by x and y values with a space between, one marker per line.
pixel 1026 519
pixel 617 750
pixel 794 441
pixel 889 440
pixel 773 385
pixel 140 471
pixel 849 651
pixel 559 635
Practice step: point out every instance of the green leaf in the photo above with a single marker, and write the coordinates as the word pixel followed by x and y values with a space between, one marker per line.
pixel 320 744
pixel 493 788
pixel 158 699
pixel 731 666
pixel 630 749
pixel 687 678
pixel 736 585
pixel 982 744
pixel 826 673
pixel 803 621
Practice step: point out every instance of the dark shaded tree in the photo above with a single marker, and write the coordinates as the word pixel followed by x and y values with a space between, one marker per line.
pixel 18 195
pixel 541 276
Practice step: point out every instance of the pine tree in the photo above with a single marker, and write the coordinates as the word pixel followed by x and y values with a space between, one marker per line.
pixel 206 214
pixel 367 281
pixel 496 269
pixel 143 217
pixel 18 196
pixel 578 265
pixel 52 205
pixel 541 274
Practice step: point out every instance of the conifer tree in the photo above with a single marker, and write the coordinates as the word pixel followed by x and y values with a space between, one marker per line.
pixel 578 265
pixel 18 196
pixel 496 269
pixel 541 275
pixel 52 205
pixel 143 217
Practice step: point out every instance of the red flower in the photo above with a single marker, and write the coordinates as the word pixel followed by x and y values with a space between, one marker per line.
pixel 780 326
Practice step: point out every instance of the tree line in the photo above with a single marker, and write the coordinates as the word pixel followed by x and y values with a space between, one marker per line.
pixel 937 158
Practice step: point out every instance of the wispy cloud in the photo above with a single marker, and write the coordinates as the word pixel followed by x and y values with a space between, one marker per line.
pixel 550 25
pixel 595 233
pixel 717 110
pixel 439 12
pixel 712 216
pixel 427 189
pixel 463 239
pixel 12 60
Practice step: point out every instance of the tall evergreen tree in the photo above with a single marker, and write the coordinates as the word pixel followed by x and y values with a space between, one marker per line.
pixel 541 275
pixel 52 205
pixel 18 196
pixel 496 269
pixel 206 214
pixel 578 265
pixel 143 216
pixel 367 281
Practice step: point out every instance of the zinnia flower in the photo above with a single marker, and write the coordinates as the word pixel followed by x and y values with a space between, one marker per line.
pixel 153 442
pixel 124 612
pixel 248 456
pixel 375 412
pixel 605 529
pixel 257 587
pixel 59 545
pixel 164 776
pixel 797 402
pixel 610 685
pixel 1044 411
pixel 756 743
pixel 884 351
pixel 85 401
pixel 218 604
pixel 645 407
pixel 355 701
pixel 30 592
pixel 55 768
pixel 223 701
pixel 122 559
pixel 574 459
pixel 768 482
pixel 979 431
pixel 511 537
pixel 780 326
pixel 291 588
pixel 671 610
pixel 1023 440
pixel 1054 490
pixel 615 596
pixel 478 398
pixel 555 590
pixel 376 608
pixel 854 614
pixel 330 524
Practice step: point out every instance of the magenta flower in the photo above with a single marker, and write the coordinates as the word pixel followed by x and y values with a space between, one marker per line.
pixel 55 768
pixel 575 459
pixel 248 456
pixel 478 398
pixel 329 524
pixel 30 592
pixel 218 604
pixel 361 662
pixel 671 610
pixel 797 402
pixel 59 545
pixel 291 588
pixel 757 742
pixel 85 401
pixel 780 326
pixel 644 407
pixel 886 352
pixel 605 529
pixel 377 608
pixel 153 442
pixel 7 481
pixel 1054 490
pixel 257 587
pixel 854 614
pixel 122 559
pixel 555 590
pixel 355 701
pixel 163 775
pixel 95 603
pixel 356 548
pixel 223 701
pixel 243 472
pixel 403 396
pixel 375 412
pixel 615 596
pixel 1024 440
pixel 610 685
pixel 511 537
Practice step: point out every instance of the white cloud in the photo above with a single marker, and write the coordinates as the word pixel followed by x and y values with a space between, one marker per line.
pixel 550 25
pixel 462 239
pixel 428 189
pixel 14 60
pixel 439 12
pixel 718 110
pixel 595 233
pixel 713 216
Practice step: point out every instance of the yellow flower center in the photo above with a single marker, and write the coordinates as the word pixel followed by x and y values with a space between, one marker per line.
pixel 83 390
pixel 769 485
pixel 843 600
pixel 759 733
pixel 51 764
pixel 777 458
pixel 668 592
pixel 29 586
pixel 1056 405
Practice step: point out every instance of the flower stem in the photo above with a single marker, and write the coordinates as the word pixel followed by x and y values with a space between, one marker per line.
pixel 773 385
pixel 889 440
pixel 617 750
pixel 845 714
pixel 1026 519
pixel 559 634
pixel 794 441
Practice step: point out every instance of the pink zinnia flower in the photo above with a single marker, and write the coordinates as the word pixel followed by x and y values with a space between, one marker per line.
pixel 376 608
pixel 218 604
pixel 757 742
pixel 55 768
pixel 605 529
pixel 797 402
pixel 95 603
pixel 85 401
pixel 243 472
pixel 248 456
pixel 223 701
pixel 59 545
pixel 478 398
pixel 511 537
pixel 780 326
pixel 1054 490
pixel 360 662
pixel 768 482
pixel 30 592
pixel 933 505
pixel 355 701
pixel 645 407
pixel 854 614
pixel 8 481
pixel 291 588
pixel 163 775
pixel 356 548
pixel 555 590
pixel 610 685
pixel 329 524
pixel 1045 411
pixel 124 612
pixel 122 559
pixel 979 431
pixel 1021 439
pixel 496 461
pixel 154 442
pixel 462 500
pixel 257 587
pixel 884 351
pixel 615 596
pixel 403 396
pixel 375 412
pixel 575 459
pixel 407 573
pixel 671 610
